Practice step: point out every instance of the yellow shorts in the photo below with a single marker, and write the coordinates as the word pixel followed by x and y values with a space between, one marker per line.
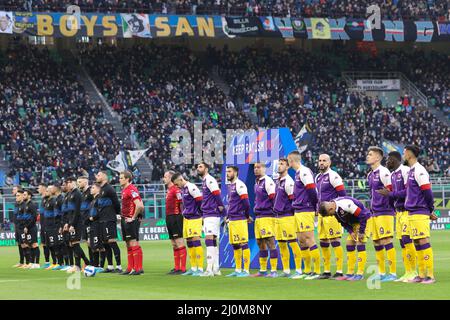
pixel 264 227
pixel 304 221
pixel 401 224
pixel 382 227
pixel 356 231
pixel 419 225
pixel 285 228
pixel 238 231
pixel 329 228
pixel 192 228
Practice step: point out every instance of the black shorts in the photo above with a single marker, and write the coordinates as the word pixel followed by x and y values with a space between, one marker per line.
pixel 95 240
pixel 108 230
pixel 22 237
pixel 75 235
pixel 31 236
pixel 53 237
pixel 130 230
pixel 174 224
pixel 66 237
pixel 85 232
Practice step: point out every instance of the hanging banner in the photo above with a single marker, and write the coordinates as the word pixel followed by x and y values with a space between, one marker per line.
pixel 60 24
pixel 378 85
pixel 6 22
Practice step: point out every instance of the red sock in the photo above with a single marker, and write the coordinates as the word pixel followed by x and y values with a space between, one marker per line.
pixel 176 256
pixel 130 259
pixel 183 256
pixel 134 253
pixel 140 257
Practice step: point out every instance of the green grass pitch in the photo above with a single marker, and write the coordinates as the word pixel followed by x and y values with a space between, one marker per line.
pixel 155 284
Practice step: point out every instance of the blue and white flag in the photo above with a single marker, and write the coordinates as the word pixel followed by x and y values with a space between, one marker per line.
pixel 389 146
pixel 303 138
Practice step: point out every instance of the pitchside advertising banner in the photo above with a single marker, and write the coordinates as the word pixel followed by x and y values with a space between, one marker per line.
pixel 156 26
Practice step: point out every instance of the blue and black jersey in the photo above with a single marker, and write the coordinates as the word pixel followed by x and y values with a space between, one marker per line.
pixel 72 207
pixel 86 199
pixel 42 211
pixel 94 209
pixel 108 203
pixel 27 215
pixel 58 210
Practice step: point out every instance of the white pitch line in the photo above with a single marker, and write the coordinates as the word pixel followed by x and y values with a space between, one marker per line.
pixel 22 280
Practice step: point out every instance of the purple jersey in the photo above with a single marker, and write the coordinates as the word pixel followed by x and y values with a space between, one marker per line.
pixel 398 179
pixel 236 192
pixel 210 188
pixel 191 195
pixel 418 181
pixel 283 196
pixel 328 184
pixel 304 180
pixel 350 211
pixel 378 179
pixel 264 195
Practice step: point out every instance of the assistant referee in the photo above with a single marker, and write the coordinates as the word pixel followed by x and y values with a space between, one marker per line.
pixel 174 223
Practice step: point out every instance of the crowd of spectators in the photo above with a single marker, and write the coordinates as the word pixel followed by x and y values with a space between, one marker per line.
pixel 158 89
pixel 391 9
pixel 291 88
pixel 48 127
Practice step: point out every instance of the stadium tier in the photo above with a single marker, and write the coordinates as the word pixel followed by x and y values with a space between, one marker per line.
pixel 393 9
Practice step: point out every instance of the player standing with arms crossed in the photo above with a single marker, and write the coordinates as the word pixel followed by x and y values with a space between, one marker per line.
pixel 212 208
pixel 329 186
pixel 382 214
pixel 28 219
pixel 264 221
pixel 132 211
pixel 285 221
pixel 238 218
pixel 397 196
pixel 86 198
pixel 305 206
pixel 174 222
pixel 420 205
pixel 192 222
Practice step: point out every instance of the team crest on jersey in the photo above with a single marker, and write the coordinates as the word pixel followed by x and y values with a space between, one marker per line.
pixel 134 194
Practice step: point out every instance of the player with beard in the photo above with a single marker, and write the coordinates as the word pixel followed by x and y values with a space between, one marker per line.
pixel 95 234
pixel 67 249
pixel 42 190
pixel 56 205
pixel 109 211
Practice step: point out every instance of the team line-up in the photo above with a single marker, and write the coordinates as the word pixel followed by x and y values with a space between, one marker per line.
pixel 284 210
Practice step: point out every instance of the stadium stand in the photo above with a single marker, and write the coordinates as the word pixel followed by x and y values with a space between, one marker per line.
pixel 391 9
pixel 270 84
pixel 48 126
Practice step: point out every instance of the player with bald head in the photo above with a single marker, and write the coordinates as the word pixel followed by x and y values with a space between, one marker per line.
pixel 329 186
pixel 305 206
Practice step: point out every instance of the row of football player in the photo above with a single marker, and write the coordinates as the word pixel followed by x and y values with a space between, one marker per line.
pixel 285 211
pixel 75 211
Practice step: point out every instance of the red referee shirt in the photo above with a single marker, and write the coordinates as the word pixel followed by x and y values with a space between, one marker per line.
pixel 173 201
pixel 129 194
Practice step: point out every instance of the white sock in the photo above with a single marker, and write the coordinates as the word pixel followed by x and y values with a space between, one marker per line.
pixel 110 267
pixel 216 259
pixel 119 267
pixel 287 271
pixel 210 253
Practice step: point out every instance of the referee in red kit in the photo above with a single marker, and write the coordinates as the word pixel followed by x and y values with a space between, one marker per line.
pixel 174 222
pixel 132 212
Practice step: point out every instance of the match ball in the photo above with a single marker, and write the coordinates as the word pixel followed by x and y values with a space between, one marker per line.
pixel 90 271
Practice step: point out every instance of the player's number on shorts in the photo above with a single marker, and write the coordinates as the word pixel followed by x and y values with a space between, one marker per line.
pixel 414 231
pixel 331 232
pixel 72 233
pixel 236 237
pixel 263 232
pixel 404 227
pixel 381 230
pixel 284 233
pixel 95 239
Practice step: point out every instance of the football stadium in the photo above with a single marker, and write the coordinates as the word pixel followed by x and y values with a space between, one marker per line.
pixel 224 150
